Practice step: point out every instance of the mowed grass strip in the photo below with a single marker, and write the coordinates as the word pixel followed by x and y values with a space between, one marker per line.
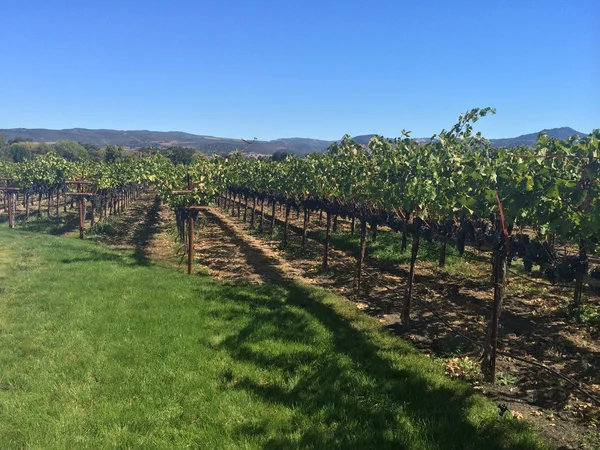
pixel 97 351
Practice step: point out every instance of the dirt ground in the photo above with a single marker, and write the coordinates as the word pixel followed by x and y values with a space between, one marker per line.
pixel 534 323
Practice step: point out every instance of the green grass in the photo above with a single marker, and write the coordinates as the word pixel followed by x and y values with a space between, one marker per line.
pixel 57 225
pixel 98 351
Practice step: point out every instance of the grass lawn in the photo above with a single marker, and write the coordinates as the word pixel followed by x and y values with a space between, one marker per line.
pixel 100 351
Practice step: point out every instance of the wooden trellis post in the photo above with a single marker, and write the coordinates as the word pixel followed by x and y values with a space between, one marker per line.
pixel 190 218
pixel 4 183
pixel 9 192
pixel 80 195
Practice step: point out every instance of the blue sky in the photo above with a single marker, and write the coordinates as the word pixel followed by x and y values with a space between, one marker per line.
pixel 320 69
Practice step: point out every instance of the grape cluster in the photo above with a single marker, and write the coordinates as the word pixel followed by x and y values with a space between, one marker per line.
pixel 566 269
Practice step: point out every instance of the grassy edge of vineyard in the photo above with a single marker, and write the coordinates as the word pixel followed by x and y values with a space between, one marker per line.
pixel 332 372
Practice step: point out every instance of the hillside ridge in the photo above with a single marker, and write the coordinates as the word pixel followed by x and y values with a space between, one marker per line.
pixel 209 144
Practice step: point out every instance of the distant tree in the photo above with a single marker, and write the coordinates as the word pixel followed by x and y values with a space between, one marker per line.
pixel 18 139
pixel 180 155
pixel 20 151
pixel 280 155
pixel 42 148
pixel 95 151
pixel 3 148
pixel 150 150
pixel 112 153
pixel 199 155
pixel 71 150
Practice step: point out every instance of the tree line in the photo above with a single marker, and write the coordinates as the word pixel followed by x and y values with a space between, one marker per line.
pixel 22 149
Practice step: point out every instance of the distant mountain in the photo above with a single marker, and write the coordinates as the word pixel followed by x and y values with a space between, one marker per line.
pixel 210 144
pixel 144 138
pixel 363 139
pixel 300 145
pixel 531 138
pixel 526 139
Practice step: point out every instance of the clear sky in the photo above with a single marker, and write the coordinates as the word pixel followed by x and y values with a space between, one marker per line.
pixel 289 68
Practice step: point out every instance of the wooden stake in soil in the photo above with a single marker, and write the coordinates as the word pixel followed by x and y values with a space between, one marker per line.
pixel 286 224
pixel 578 294
pixel 304 227
pixel 11 212
pixel 26 206
pixel 262 215
pixel 488 360
pixel 327 241
pixel 190 243
pixel 404 238
pixel 253 212
pixel 92 220
pixel 442 262
pixel 81 218
pixel 409 288
pixel 273 203
pixel 361 256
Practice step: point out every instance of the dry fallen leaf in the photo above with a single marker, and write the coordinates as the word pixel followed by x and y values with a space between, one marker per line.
pixel 517 415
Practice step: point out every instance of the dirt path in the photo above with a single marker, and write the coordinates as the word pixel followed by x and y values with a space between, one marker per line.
pixel 143 228
pixel 221 247
pixel 231 254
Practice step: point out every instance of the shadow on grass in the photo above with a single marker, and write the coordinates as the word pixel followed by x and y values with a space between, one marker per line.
pixel 346 383
pixel 136 230
pixel 349 383
pixel 54 225
pixel 94 256
pixel 145 232
pixel 360 390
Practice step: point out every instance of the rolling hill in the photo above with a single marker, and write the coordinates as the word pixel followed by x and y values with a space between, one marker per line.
pixel 531 138
pixel 209 144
